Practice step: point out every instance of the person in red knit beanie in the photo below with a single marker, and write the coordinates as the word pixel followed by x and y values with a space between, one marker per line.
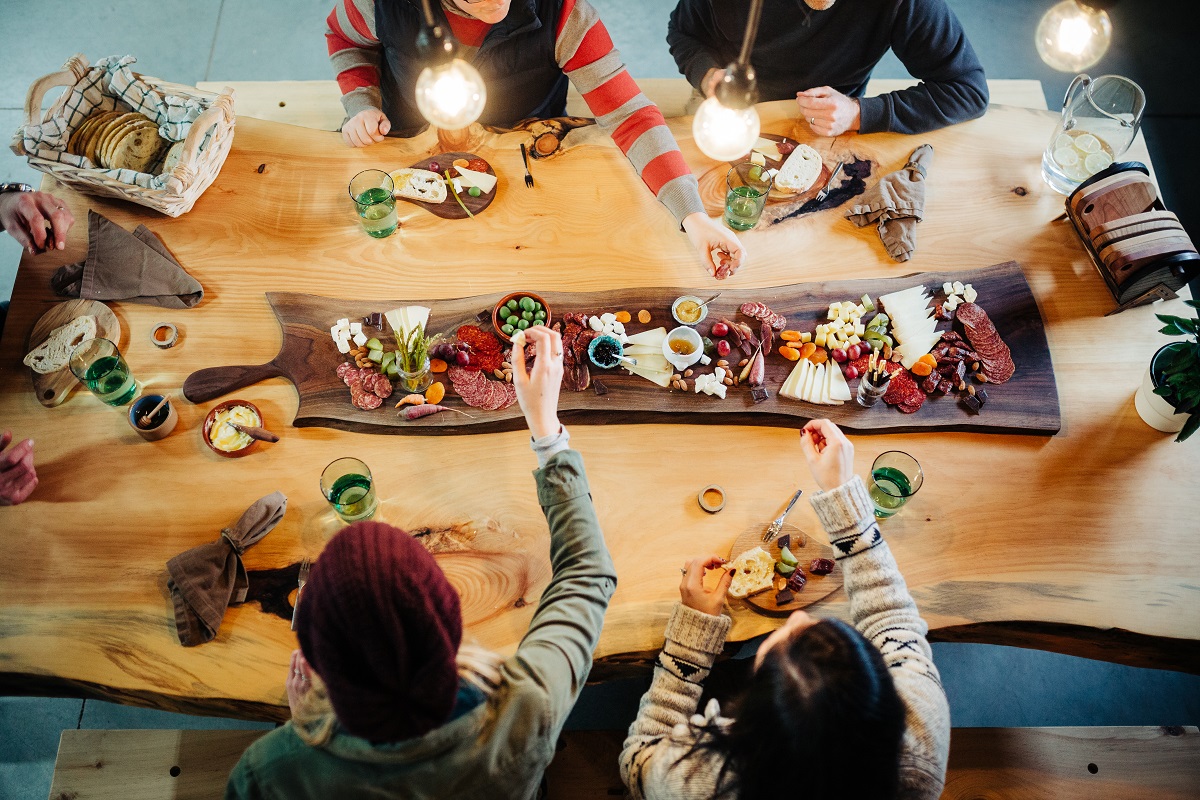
pixel 387 699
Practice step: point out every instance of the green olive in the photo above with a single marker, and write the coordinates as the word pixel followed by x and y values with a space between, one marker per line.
pixel 508 330
pixel 473 191
pixel 527 316
pixel 539 315
pixel 527 303
pixel 523 324
pixel 512 304
pixel 755 173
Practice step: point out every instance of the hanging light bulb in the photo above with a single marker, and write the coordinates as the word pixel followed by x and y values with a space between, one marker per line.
pixel 1073 36
pixel 451 95
pixel 724 133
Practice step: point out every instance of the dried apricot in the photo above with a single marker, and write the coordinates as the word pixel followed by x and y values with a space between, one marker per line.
pixel 922 369
pixel 929 358
pixel 435 392
pixel 790 336
pixel 623 317
pixel 790 353
pixel 819 356
pixel 462 162
pixel 437 365
pixel 807 349
pixel 643 316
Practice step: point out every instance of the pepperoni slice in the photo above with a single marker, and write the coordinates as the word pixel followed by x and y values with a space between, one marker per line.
pixel 478 165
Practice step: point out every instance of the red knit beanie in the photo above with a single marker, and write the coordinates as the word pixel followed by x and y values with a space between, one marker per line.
pixel 381 625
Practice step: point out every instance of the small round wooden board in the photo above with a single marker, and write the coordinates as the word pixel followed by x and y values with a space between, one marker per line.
pixel 805 548
pixel 713 187
pixel 53 387
pixel 448 208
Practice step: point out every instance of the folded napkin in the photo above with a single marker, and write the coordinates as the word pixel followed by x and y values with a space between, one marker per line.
pixel 120 265
pixel 206 580
pixel 897 204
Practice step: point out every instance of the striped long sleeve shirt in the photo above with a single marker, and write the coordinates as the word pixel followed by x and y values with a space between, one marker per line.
pixel 584 51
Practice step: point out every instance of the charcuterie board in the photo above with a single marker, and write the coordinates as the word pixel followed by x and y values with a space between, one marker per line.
pixel 805 548
pixel 449 208
pixel 54 387
pixel 1028 403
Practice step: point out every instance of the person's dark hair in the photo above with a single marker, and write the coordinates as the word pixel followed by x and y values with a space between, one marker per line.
pixel 821 710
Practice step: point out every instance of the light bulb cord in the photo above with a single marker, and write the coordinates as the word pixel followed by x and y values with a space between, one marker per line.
pixel 751 32
pixel 429 20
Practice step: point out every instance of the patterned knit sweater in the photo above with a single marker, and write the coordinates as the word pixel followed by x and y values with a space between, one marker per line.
pixel 881 609
pixel 585 53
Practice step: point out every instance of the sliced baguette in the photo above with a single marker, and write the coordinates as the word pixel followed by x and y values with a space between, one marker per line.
pixel 800 171
pixel 53 354
pixel 755 572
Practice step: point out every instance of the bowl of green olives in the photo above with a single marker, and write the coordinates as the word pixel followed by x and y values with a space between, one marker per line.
pixel 518 311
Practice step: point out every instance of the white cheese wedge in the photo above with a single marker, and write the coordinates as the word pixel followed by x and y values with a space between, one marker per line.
pixel 483 180
pixel 651 338
pixel 636 349
pixel 816 392
pixel 655 362
pixel 806 387
pixel 768 148
pixel 343 346
pixel 793 379
pixel 839 390
pixel 661 377
pixel 758 158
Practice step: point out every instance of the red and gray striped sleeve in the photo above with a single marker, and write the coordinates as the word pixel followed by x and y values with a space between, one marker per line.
pixel 586 54
pixel 354 53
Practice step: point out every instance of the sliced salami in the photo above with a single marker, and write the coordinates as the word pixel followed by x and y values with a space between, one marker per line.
pixel 367 401
pixel 343 368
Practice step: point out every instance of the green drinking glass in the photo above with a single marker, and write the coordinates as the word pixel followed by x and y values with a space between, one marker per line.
pixel 371 191
pixel 895 477
pixel 98 364
pixel 347 485
pixel 746 198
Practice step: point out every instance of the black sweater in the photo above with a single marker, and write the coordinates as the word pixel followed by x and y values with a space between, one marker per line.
pixel 798 48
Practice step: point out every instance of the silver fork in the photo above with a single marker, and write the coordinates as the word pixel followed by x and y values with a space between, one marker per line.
pixel 821 195
pixel 775 527
pixel 305 565
pixel 525 158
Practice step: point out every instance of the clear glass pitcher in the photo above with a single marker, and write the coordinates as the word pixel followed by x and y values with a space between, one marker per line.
pixel 1100 117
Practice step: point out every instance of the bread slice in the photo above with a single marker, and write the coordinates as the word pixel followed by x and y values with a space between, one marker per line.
pixel 755 572
pixel 419 184
pixel 53 354
pixel 800 171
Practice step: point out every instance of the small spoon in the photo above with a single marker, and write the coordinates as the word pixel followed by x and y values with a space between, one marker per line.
pixel 145 420
pixel 262 434
pixel 709 300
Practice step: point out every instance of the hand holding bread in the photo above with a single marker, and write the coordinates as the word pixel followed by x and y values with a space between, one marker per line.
pixel 693 592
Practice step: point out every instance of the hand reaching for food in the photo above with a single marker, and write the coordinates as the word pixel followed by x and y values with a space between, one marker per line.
pixel 538 388
pixel 829 454
pixel 18 478
pixel 720 250
pixel 827 111
pixel 693 592
pixel 366 128
pixel 38 221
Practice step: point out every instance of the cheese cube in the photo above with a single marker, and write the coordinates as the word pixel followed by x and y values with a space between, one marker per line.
pixel 343 346
pixel 853 340
pixel 343 323
pixel 859 329
pixel 958 287
pixel 969 293
pixel 834 311
pixel 948 288
pixel 805 337
pixel 360 339
pixel 859 310
pixel 820 339
pixel 844 314
pixel 758 158
pixel 355 328
pixel 334 331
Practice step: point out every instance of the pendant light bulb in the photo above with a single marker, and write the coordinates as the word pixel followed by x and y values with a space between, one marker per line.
pixel 1072 36
pixel 451 95
pixel 724 133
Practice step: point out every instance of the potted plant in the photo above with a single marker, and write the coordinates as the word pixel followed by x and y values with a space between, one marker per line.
pixel 1169 397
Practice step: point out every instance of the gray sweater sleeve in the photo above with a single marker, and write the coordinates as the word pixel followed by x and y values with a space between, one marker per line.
pixel 884 612
pixel 931 43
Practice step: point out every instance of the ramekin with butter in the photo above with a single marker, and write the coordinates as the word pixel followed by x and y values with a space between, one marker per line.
pixel 223 438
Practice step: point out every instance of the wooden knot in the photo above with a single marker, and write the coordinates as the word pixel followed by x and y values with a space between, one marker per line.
pixel 1020 191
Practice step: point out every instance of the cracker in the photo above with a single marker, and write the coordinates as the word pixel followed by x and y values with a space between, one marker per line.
pixel 140 147
pixel 113 135
pixel 87 128
pixel 100 136
pixel 171 160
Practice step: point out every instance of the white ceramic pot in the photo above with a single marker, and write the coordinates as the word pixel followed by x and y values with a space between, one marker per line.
pixel 1154 410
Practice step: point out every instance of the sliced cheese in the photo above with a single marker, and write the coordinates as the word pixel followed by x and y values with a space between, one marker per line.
pixel 821 385
pixel 661 377
pixel 838 388
pixel 483 180
pixel 806 386
pixel 768 148
pixel 793 379
pixel 651 338
pixel 642 349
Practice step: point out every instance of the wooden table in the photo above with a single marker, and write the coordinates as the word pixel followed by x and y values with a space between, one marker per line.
pixel 1083 542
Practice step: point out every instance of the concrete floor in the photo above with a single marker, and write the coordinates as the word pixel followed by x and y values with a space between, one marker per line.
pixel 191 40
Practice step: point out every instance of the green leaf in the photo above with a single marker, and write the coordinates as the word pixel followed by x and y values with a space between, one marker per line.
pixel 1193 303
pixel 1164 391
pixel 1173 329
pixel 1189 427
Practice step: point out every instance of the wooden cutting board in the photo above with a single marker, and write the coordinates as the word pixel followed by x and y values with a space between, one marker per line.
pixel 1026 404
pixel 805 547
pixel 448 208
pixel 713 185
pixel 52 388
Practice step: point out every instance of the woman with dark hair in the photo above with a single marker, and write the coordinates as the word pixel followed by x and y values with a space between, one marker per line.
pixel 388 701
pixel 833 710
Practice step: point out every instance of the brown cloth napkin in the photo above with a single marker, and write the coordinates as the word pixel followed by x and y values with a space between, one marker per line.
pixel 206 580
pixel 120 265
pixel 896 204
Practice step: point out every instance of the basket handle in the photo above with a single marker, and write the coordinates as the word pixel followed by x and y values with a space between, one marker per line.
pixel 71 73
pixel 220 110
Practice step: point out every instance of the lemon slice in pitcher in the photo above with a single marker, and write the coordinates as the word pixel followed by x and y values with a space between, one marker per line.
pixel 1096 162
pixel 1064 142
pixel 1066 157
pixel 1087 143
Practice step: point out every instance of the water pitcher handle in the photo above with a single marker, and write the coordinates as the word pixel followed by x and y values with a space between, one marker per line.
pixel 1081 81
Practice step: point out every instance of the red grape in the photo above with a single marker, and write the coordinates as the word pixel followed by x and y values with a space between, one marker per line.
pixel 851 372
pixel 720 329
pixel 839 354
pixel 723 348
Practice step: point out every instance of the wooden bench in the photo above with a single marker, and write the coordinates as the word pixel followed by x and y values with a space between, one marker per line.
pixel 1025 763
pixel 317 104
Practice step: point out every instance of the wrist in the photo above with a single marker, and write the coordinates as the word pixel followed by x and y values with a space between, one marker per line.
pixel 856 121
pixel 540 429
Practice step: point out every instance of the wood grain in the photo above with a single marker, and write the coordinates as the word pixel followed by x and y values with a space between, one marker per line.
pixel 308 358
pixel 805 547
pixel 1089 533
pixel 53 388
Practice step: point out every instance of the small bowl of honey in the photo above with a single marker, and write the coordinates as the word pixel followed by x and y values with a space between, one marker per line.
pixel 689 310
pixel 683 347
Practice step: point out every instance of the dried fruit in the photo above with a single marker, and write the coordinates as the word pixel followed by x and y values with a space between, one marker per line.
pixel 922 368
pixel 435 392
pixel 623 317
pixel 790 336
pixel 928 358
pixel 437 365
pixel 643 316
pixel 821 566
pixel 819 356
pixel 807 349
pixel 790 353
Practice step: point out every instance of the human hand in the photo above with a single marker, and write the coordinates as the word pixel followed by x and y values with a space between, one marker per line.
pixel 366 128
pixel 17 476
pixel 537 389
pixel 709 83
pixel 827 111
pixel 25 216
pixel 299 682
pixel 692 591
pixel 720 250
pixel 829 454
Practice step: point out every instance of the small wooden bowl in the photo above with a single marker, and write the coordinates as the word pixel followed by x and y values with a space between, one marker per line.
pixel 504 337
pixel 208 423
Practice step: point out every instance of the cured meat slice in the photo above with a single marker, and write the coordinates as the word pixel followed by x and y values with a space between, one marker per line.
pixel 365 400
pixel 994 354
pixel 382 386
pixel 343 368
pixel 761 312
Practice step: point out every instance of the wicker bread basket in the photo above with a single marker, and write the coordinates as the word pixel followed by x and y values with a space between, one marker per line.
pixel 195 171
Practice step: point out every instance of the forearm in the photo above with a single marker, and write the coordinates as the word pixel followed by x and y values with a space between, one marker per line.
pixel 925 107
pixel 354 54
pixel 693 640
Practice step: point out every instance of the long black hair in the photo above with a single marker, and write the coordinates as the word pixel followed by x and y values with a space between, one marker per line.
pixel 821 713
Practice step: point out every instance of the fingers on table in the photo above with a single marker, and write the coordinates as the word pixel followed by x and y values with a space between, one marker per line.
pixel 19 455
pixel 17 489
pixel 61 218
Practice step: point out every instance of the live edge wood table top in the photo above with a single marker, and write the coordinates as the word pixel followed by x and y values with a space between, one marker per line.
pixel 1084 542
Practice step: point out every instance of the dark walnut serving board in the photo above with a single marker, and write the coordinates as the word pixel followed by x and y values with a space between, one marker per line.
pixel 1026 404
pixel 448 208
